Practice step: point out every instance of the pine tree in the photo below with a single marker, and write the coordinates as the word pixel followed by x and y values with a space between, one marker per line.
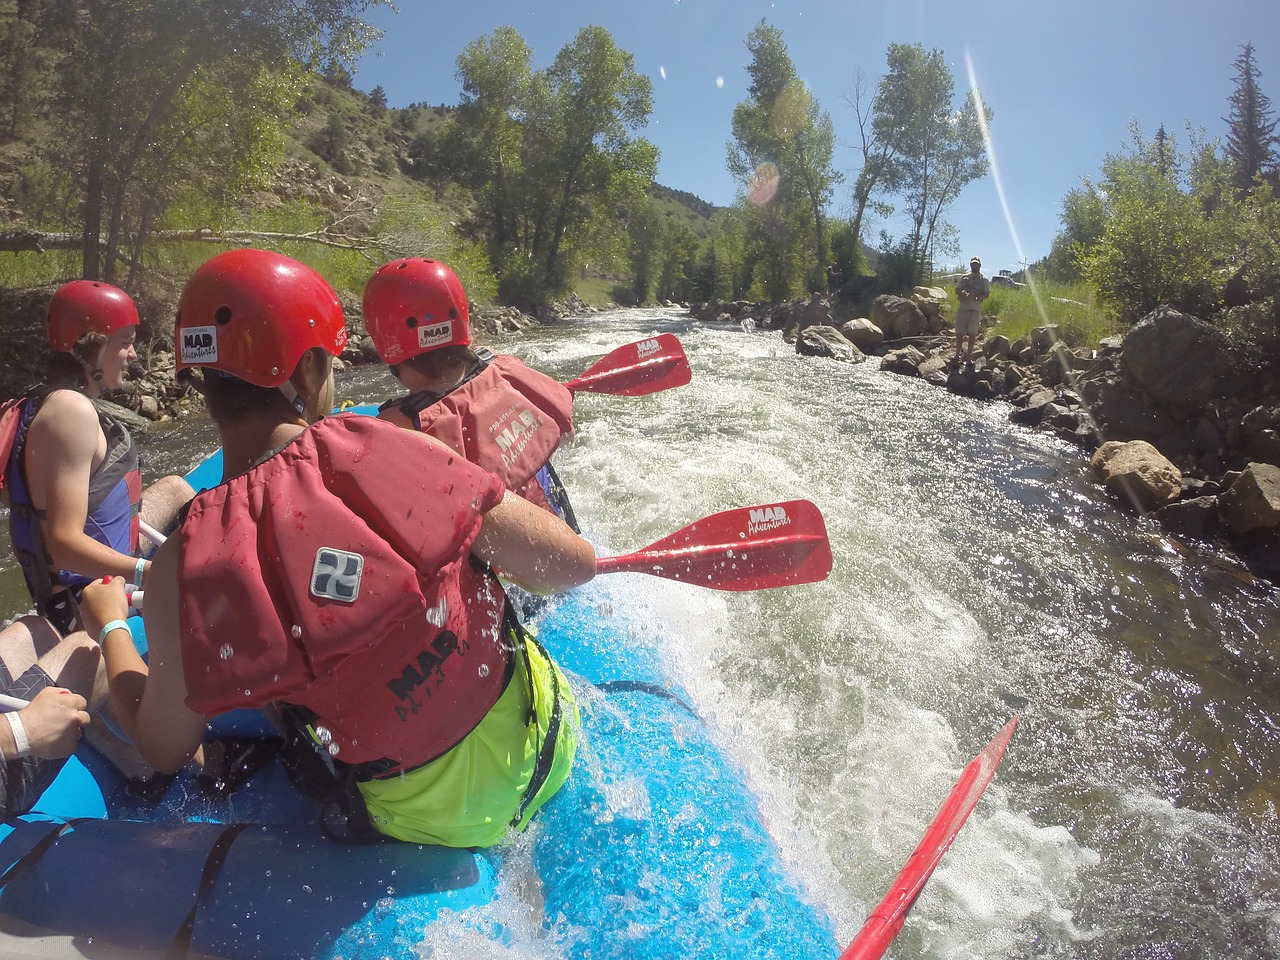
pixel 1251 136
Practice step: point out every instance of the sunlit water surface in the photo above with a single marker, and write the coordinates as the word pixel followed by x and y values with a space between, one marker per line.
pixel 979 572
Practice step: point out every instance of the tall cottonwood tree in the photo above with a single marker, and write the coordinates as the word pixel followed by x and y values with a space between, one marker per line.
pixel 1251 126
pixel 553 153
pixel 937 150
pixel 163 98
pixel 781 123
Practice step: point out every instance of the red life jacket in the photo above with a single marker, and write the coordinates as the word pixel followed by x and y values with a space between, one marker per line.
pixel 508 419
pixel 337 576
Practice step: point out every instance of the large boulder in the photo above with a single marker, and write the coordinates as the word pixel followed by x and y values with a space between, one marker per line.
pixel 905 361
pixel 1253 501
pixel 863 333
pixel 930 300
pixel 897 317
pixel 1137 472
pixel 825 341
pixel 1179 360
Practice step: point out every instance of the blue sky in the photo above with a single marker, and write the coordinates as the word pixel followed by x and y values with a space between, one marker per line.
pixel 1063 80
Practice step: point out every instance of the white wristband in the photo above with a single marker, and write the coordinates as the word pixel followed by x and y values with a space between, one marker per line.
pixel 113 625
pixel 139 571
pixel 19 735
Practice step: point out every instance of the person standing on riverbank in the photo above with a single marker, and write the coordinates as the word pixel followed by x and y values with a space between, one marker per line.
pixel 492 409
pixel 971 289
pixel 73 478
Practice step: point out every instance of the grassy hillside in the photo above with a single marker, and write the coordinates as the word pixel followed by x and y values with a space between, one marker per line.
pixel 349 167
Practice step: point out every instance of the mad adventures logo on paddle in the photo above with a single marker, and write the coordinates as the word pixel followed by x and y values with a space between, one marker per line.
pixel 764 519
pixel 647 348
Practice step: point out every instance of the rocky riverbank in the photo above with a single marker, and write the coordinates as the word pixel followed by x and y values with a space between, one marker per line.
pixel 1173 430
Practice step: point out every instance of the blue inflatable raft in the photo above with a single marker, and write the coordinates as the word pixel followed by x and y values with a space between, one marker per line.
pixel 682 868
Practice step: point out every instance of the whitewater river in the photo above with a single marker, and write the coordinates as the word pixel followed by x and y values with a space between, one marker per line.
pixel 979 572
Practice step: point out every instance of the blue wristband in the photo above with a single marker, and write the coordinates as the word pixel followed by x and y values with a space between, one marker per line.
pixel 113 625
pixel 139 570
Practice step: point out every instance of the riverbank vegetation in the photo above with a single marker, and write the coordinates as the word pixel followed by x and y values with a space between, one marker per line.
pixel 1194 224
pixel 141 137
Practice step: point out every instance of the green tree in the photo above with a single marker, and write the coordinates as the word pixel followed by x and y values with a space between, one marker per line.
pixel 156 96
pixel 557 149
pixel 936 150
pixel 881 170
pixel 1083 219
pixel 1156 245
pixel 645 231
pixel 1251 127
pixel 483 141
pixel 781 124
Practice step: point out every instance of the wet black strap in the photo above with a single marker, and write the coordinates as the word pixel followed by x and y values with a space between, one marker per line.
pixel 415 403
pixel 547 753
pixel 37 851
pixel 640 686
pixel 212 864
pixel 559 499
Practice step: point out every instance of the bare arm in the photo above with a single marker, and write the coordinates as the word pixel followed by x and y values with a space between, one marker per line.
pixel 64 440
pixel 52 724
pixel 529 546
pixel 148 698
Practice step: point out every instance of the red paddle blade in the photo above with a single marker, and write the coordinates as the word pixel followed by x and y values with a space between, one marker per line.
pixel 887 919
pixel 636 369
pixel 751 548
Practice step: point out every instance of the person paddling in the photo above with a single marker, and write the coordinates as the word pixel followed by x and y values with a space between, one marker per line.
pixel 72 478
pixel 492 409
pixel 343 574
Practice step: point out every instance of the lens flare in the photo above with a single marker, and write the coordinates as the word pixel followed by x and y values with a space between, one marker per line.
pixel 763 184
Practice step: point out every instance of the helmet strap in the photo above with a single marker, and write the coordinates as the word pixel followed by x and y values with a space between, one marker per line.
pixel 94 372
pixel 291 394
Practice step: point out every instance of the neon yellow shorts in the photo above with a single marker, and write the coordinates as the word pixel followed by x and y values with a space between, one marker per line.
pixel 469 796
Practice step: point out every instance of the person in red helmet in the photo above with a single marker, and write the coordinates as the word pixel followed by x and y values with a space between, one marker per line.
pixel 494 410
pixel 72 478
pixel 342 576
pixel 73 485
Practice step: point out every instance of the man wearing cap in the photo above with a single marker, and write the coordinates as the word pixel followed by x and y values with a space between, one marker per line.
pixel 972 289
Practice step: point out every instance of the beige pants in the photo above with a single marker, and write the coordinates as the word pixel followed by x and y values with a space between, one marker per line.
pixel 968 321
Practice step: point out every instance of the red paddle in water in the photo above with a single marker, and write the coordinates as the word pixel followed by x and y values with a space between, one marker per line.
pixel 636 369
pixel 751 548
pixel 887 919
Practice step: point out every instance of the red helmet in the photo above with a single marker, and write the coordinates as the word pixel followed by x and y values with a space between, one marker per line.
pixel 415 305
pixel 253 314
pixel 84 306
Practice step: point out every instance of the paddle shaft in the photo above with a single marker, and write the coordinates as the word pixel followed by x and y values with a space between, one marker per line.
pixel 888 917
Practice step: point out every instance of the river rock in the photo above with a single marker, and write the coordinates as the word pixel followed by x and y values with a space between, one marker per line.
pixel 905 361
pixel 897 317
pixel 1252 502
pixel 930 300
pixel 1137 472
pixel 863 334
pixel 1179 360
pixel 826 341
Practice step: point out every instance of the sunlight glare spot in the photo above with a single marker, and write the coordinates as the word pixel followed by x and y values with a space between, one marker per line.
pixel 999 182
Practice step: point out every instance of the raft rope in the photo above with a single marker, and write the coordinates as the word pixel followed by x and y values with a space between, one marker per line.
pixel 640 686
pixel 37 850
pixel 181 944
